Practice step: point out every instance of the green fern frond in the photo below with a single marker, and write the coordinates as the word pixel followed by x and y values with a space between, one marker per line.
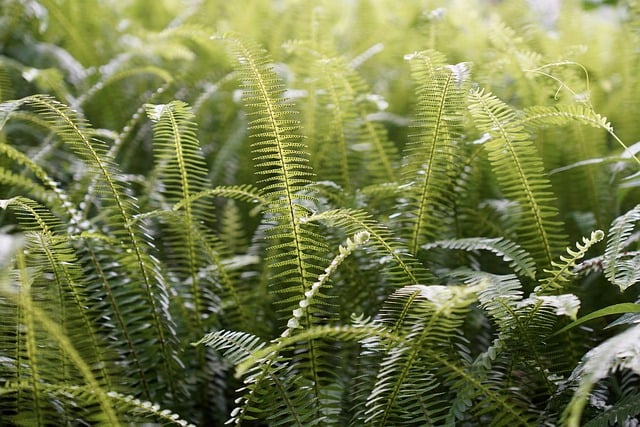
pixel 243 193
pixel 619 352
pixel 562 272
pixel 480 389
pixel 431 152
pixel 49 251
pixel 406 270
pixel 562 114
pixel 182 171
pixel 232 233
pixel 313 294
pixel 519 260
pixel 296 251
pixel 411 372
pixel 279 156
pixel 269 382
pixel 234 346
pixel 622 410
pixel 521 355
pixel 621 269
pixel 520 173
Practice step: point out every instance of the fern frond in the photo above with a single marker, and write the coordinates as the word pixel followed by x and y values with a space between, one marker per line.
pixel 411 372
pixel 619 352
pixel 279 156
pixel 520 173
pixel 182 172
pixel 244 193
pixel 431 152
pixel 313 294
pixel 50 251
pixel 622 410
pixel 563 114
pixel 621 269
pixel 519 260
pixel 234 346
pixel 521 355
pixel 562 272
pixel 296 251
pixel 406 270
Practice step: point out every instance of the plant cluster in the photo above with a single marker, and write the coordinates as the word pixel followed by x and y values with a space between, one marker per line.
pixel 303 212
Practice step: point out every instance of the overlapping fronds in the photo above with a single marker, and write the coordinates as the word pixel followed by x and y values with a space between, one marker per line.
pixel 346 144
pixel 47 352
pixel 520 173
pixel 617 353
pixel 48 190
pixel 182 172
pixel 410 383
pixel 119 209
pixel 325 176
pixel 50 254
pixel 404 268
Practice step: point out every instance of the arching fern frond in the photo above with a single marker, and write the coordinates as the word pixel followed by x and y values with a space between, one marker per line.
pixel 234 346
pixel 281 159
pixel 520 173
pixel 314 294
pixel 48 190
pixel 562 114
pixel 182 171
pixel 562 272
pixel 519 260
pixel 244 193
pixel 50 252
pixel 620 268
pixel 405 270
pixel 431 153
pixel 296 250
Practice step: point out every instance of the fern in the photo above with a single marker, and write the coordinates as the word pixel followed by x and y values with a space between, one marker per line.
pixel 520 174
pixel 252 192
pixel 405 270
pixel 296 250
pixel 73 131
pixel 619 352
pixel 405 390
pixel 561 274
pixel 519 260
pixel 431 154
pixel 40 369
pixel 620 269
pixel 182 172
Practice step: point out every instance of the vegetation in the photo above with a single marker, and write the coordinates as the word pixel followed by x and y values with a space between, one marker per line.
pixel 305 212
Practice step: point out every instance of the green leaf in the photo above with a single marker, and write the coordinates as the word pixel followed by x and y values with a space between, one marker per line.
pixel 622 308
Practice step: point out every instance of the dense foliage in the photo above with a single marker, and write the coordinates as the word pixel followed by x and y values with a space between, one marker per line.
pixel 304 212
